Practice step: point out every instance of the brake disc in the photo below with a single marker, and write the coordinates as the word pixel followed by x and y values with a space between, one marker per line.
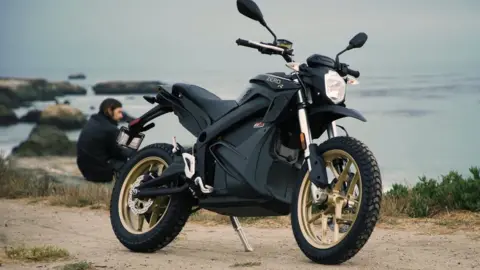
pixel 138 206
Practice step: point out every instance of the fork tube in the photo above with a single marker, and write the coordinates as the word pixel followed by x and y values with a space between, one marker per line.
pixel 305 129
pixel 332 130
pixel 304 126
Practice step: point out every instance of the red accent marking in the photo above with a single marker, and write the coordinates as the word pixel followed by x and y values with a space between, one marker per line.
pixel 259 124
pixel 134 122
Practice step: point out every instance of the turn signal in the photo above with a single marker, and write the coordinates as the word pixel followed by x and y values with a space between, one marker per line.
pixel 302 141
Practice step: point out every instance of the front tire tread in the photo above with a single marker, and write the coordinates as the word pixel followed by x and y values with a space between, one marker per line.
pixel 369 211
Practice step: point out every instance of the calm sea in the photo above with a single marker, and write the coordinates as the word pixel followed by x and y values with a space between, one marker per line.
pixel 419 89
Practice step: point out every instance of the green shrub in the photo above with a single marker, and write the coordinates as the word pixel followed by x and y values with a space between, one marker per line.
pixel 429 196
pixel 398 191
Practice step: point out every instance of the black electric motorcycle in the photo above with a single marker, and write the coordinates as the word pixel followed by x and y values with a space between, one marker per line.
pixel 255 156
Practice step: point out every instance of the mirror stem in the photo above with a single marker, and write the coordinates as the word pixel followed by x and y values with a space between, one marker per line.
pixel 271 32
pixel 337 62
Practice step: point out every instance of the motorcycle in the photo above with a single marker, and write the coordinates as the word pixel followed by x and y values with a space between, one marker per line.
pixel 255 157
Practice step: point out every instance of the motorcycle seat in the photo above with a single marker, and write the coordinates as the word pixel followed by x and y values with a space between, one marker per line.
pixel 207 101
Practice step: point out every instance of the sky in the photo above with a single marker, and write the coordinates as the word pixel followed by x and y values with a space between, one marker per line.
pixel 193 40
pixel 200 35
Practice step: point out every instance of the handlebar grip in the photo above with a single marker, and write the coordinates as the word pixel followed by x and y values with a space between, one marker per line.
pixel 246 43
pixel 353 73
pixel 242 42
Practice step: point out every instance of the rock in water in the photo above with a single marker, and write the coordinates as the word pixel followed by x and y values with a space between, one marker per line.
pixel 66 88
pixel 15 92
pixel 7 116
pixel 8 100
pixel 77 76
pixel 45 140
pixel 63 116
pixel 32 116
pixel 127 87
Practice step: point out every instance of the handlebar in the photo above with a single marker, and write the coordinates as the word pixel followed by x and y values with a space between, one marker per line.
pixel 272 49
pixel 353 73
pixel 344 70
pixel 264 47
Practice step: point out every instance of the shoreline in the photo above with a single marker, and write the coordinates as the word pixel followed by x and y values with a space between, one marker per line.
pixel 65 166
pixel 425 198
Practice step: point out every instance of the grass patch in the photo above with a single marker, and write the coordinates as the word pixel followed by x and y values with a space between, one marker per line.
pixel 246 264
pixel 36 254
pixel 37 185
pixel 90 194
pixel 428 198
pixel 3 238
pixel 83 265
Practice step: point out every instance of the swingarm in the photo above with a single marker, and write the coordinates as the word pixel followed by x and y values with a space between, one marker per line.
pixel 183 168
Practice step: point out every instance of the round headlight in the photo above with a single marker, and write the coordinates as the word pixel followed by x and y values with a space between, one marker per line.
pixel 334 87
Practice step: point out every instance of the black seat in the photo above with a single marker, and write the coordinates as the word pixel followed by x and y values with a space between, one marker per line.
pixel 211 104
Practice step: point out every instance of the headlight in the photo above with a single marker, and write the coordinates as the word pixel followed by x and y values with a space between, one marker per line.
pixel 334 87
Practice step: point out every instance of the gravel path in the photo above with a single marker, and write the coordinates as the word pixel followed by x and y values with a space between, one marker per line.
pixel 87 234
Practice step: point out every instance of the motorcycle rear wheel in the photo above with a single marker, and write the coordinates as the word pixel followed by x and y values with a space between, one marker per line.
pixel 165 217
pixel 349 231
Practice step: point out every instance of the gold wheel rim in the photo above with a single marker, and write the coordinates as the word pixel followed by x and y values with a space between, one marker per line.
pixel 143 223
pixel 333 210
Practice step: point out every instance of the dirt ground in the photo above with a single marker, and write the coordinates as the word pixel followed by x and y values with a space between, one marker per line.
pixel 87 235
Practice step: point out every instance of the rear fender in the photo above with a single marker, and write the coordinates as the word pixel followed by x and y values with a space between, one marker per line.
pixel 165 104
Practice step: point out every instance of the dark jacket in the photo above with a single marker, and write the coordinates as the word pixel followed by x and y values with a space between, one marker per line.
pixel 97 146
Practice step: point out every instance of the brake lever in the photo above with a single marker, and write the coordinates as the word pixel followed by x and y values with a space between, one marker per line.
pixel 289 52
pixel 265 51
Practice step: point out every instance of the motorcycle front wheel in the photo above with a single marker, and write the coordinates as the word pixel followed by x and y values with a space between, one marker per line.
pixel 333 231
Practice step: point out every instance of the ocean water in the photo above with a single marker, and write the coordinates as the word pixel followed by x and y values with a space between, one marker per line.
pixel 419 89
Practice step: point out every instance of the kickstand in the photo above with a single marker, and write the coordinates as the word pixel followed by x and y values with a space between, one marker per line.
pixel 238 228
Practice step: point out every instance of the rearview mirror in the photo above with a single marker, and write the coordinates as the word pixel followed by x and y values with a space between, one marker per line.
pixel 358 40
pixel 249 9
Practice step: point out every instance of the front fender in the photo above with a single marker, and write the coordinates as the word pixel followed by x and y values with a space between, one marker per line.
pixel 320 117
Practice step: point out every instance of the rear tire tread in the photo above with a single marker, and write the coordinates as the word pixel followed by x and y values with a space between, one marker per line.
pixel 169 227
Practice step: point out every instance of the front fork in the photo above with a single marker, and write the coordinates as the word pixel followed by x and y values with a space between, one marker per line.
pixel 318 194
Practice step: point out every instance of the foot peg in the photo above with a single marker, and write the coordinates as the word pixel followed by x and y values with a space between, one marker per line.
pixel 204 188
pixel 239 230
pixel 189 161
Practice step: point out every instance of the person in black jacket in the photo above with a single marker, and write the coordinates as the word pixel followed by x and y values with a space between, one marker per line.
pixel 97 149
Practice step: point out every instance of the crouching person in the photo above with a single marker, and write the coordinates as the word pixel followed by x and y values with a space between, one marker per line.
pixel 98 155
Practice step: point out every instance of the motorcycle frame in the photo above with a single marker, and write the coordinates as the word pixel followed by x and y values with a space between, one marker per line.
pixel 275 108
